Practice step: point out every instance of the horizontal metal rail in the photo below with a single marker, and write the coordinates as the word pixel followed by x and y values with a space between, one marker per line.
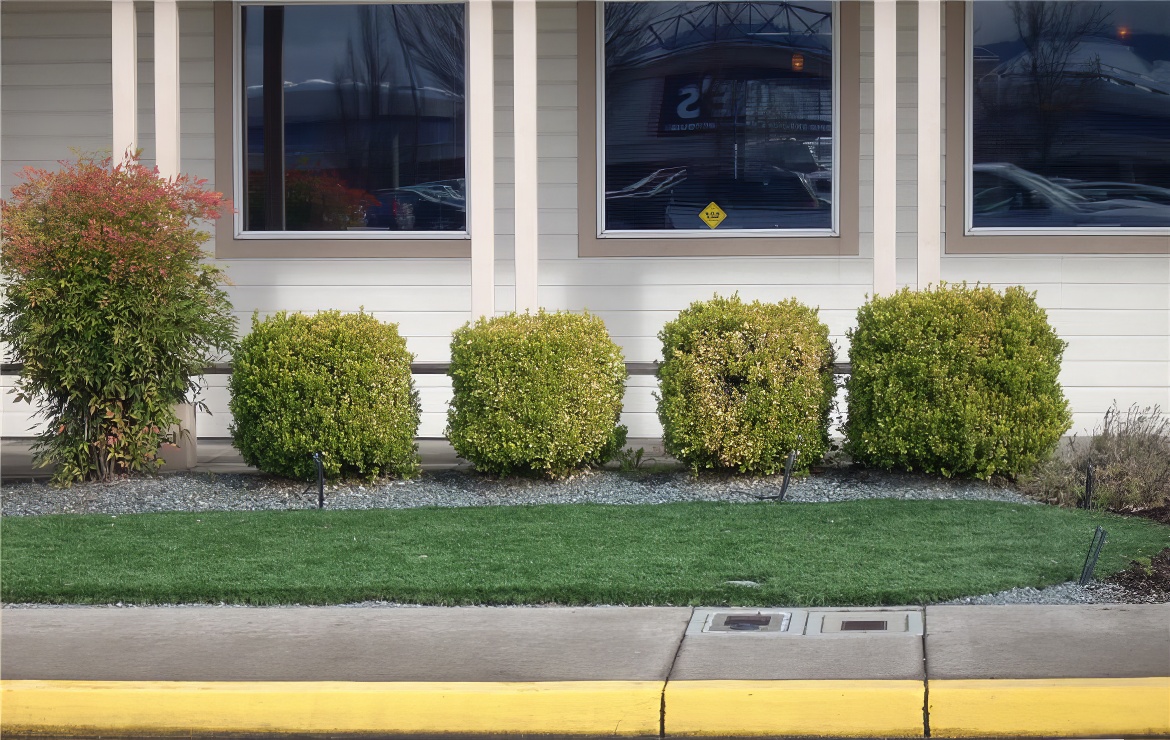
pixel 430 368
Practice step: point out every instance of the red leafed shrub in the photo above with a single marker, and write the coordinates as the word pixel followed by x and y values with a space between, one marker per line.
pixel 110 308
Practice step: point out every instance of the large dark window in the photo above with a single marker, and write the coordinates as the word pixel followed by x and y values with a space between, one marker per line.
pixel 1070 115
pixel 353 118
pixel 718 116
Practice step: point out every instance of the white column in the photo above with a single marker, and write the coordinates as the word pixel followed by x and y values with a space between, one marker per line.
pixel 524 110
pixel 166 87
pixel 124 68
pixel 885 138
pixel 929 143
pixel 481 159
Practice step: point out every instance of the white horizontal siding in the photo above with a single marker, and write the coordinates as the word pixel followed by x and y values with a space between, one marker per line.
pixel 1114 312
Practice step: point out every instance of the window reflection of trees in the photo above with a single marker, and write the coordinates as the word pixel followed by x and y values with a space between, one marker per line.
pixel 427 43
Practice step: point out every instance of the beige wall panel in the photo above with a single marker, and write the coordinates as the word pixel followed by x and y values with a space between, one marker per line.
pixel 1110 372
pixel 1086 322
pixel 1139 349
pixel 1120 269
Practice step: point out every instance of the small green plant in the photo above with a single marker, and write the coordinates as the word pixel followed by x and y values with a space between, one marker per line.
pixel 955 381
pixel 629 459
pixel 536 393
pixel 110 308
pixel 743 384
pixel 1130 453
pixel 338 384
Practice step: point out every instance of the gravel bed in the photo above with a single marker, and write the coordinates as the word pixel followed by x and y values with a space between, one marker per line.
pixel 253 492
pixel 455 488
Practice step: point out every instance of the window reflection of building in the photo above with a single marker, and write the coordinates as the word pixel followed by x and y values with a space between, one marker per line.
pixel 734 100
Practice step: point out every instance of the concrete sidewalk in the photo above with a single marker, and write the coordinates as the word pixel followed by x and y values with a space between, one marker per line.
pixel 952 671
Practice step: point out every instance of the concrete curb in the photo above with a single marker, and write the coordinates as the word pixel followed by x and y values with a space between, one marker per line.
pixel 1056 707
pixel 626 708
pixel 958 708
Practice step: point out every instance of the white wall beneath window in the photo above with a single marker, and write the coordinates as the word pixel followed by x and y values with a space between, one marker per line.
pixel 1114 311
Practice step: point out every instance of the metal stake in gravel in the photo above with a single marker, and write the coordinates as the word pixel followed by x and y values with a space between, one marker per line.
pixel 1090 483
pixel 1091 557
pixel 787 477
pixel 320 480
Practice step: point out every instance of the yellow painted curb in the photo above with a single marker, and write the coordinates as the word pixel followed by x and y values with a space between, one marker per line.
pixel 1051 707
pixel 561 707
pixel 803 708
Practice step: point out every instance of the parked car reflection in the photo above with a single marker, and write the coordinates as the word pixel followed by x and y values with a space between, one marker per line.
pixel 1007 196
pixel 428 206
pixel 779 199
pixel 1096 191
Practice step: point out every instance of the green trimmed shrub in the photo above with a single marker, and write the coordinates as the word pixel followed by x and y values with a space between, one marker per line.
pixel 743 384
pixel 536 393
pixel 334 383
pixel 111 307
pixel 955 381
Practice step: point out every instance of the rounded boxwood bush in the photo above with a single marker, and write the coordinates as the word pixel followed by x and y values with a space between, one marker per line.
pixel 331 383
pixel 955 381
pixel 536 393
pixel 743 384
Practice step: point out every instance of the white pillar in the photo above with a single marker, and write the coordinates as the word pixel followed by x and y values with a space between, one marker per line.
pixel 124 70
pixel 885 138
pixel 524 110
pixel 929 143
pixel 481 159
pixel 166 87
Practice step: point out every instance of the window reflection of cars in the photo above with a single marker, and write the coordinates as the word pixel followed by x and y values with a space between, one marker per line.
pixel 779 199
pixel 1007 196
pixel 1095 191
pixel 429 206
pixel 778 176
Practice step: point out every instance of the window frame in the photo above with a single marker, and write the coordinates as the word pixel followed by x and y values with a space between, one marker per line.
pixel 231 241
pixel 961 237
pixel 593 241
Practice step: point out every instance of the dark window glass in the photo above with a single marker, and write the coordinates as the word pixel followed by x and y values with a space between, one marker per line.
pixel 354 118
pixel 1071 114
pixel 718 103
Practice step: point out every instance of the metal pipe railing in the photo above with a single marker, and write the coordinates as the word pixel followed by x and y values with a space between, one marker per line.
pixel 432 368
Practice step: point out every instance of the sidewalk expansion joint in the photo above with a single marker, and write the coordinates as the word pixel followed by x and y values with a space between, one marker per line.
pixel 669 672
pixel 925 681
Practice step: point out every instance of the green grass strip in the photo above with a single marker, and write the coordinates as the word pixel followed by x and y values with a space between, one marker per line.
pixel 859 552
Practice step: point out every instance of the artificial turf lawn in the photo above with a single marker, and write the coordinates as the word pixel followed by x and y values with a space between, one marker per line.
pixel 857 552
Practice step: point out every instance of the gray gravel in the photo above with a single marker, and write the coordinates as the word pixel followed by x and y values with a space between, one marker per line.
pixel 252 492
pixel 454 488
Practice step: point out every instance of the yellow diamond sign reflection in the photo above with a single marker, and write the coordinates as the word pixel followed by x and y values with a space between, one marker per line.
pixel 712 215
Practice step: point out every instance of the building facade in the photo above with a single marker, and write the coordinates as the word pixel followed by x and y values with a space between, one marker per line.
pixel 432 163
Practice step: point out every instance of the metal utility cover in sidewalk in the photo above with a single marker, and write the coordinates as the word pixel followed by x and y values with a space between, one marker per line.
pixel 818 645
pixel 864 622
pixel 855 622
pixel 726 622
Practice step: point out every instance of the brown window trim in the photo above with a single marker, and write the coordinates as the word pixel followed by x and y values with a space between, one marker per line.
pixel 958 241
pixel 227 245
pixel 846 242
